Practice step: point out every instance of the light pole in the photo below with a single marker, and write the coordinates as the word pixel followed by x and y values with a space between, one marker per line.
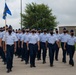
pixel 21 12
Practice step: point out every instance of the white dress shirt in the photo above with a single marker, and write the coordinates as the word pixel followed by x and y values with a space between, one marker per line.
pixel 52 39
pixel 43 37
pixel 64 37
pixel 25 37
pixel 71 40
pixel 33 38
pixel 9 39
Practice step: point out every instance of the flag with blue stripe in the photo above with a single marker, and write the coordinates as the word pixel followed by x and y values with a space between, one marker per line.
pixel 6 11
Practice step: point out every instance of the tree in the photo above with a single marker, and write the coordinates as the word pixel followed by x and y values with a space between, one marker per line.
pixel 38 16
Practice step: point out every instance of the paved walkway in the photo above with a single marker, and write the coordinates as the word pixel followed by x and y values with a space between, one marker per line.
pixel 41 69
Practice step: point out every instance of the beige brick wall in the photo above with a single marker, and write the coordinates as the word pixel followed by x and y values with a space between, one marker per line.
pixel 68 28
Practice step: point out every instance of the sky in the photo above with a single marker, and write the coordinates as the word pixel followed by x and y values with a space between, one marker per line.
pixel 64 10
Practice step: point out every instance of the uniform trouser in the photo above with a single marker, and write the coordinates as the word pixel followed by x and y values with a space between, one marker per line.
pixel 27 56
pixel 56 51
pixel 22 54
pixel 64 52
pixel 2 54
pixel 32 48
pixel 25 53
pixel 19 50
pixel 71 54
pixel 16 53
pixel 67 50
pixel 9 56
pixel 39 53
pixel 51 52
pixel 43 47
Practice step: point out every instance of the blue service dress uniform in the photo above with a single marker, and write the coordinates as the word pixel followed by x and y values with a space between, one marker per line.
pixel 33 41
pixel 39 51
pixel 9 41
pixel 16 53
pixel 25 55
pixel 51 39
pixel 43 40
pixel 63 39
pixel 56 46
pixel 1 48
pixel 71 48
pixel 19 44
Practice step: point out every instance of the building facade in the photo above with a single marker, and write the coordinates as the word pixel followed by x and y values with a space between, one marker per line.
pixel 68 28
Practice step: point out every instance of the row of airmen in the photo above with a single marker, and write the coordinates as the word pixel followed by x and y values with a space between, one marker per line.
pixel 29 44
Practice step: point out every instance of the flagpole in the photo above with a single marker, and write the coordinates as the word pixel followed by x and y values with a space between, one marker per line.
pixel 4 44
pixel 5 38
pixel 5 20
pixel 21 12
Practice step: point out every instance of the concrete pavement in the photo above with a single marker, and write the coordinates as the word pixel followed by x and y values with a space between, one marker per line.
pixel 20 68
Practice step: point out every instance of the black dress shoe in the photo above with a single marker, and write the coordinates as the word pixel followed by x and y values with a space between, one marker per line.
pixel 26 62
pixel 72 64
pixel 44 62
pixel 51 65
pixel 34 66
pixel 69 63
pixel 56 59
pixel 40 59
pixel 63 61
pixel 8 70
pixel 31 66
pixel 22 60
pixel 19 57
pixel 4 63
pixel 37 58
